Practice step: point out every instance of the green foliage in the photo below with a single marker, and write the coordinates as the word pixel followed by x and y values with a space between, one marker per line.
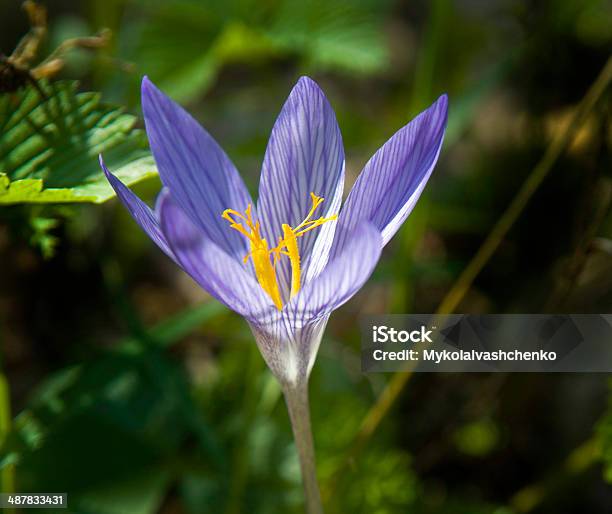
pixel 604 438
pixel 42 237
pixel 184 43
pixel 117 429
pixel 339 34
pixel 394 490
pixel 178 326
pixel 50 140
pixel 126 427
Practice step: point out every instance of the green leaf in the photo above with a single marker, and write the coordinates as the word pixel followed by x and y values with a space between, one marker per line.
pixel 184 44
pixel 49 146
pixel 334 35
pixel 176 326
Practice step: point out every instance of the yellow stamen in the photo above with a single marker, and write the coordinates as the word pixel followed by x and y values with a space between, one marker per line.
pixel 287 245
pixel 316 201
pixel 290 242
pixel 265 273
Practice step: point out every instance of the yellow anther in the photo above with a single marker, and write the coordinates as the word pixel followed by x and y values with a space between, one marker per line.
pixel 264 271
pixel 287 245
pixel 289 241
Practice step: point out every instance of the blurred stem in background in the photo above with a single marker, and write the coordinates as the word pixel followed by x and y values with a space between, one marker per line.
pixel 240 459
pixel 529 187
pixel 557 146
pixel 7 473
pixel 433 40
pixel 422 95
pixel 578 461
pixel 8 470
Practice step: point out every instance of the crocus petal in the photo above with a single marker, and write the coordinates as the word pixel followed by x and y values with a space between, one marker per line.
pixel 213 269
pixel 202 179
pixel 140 211
pixel 290 352
pixel 345 273
pixel 391 182
pixel 304 155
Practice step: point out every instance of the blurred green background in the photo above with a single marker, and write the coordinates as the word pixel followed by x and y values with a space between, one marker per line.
pixel 136 394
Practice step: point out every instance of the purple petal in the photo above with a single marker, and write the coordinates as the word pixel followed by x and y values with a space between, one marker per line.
pixel 140 211
pixel 343 276
pixel 391 182
pixel 222 276
pixel 304 155
pixel 201 178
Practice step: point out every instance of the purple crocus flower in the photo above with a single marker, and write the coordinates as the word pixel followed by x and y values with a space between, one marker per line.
pixel 287 262
pixel 303 169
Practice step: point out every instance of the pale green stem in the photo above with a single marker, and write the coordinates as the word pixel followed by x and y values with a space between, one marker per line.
pixel 296 397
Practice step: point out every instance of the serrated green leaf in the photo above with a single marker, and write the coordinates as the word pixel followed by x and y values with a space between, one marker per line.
pixel 334 35
pixel 185 43
pixel 49 146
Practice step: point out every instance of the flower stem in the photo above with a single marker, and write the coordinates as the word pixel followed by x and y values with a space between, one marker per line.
pixel 296 397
